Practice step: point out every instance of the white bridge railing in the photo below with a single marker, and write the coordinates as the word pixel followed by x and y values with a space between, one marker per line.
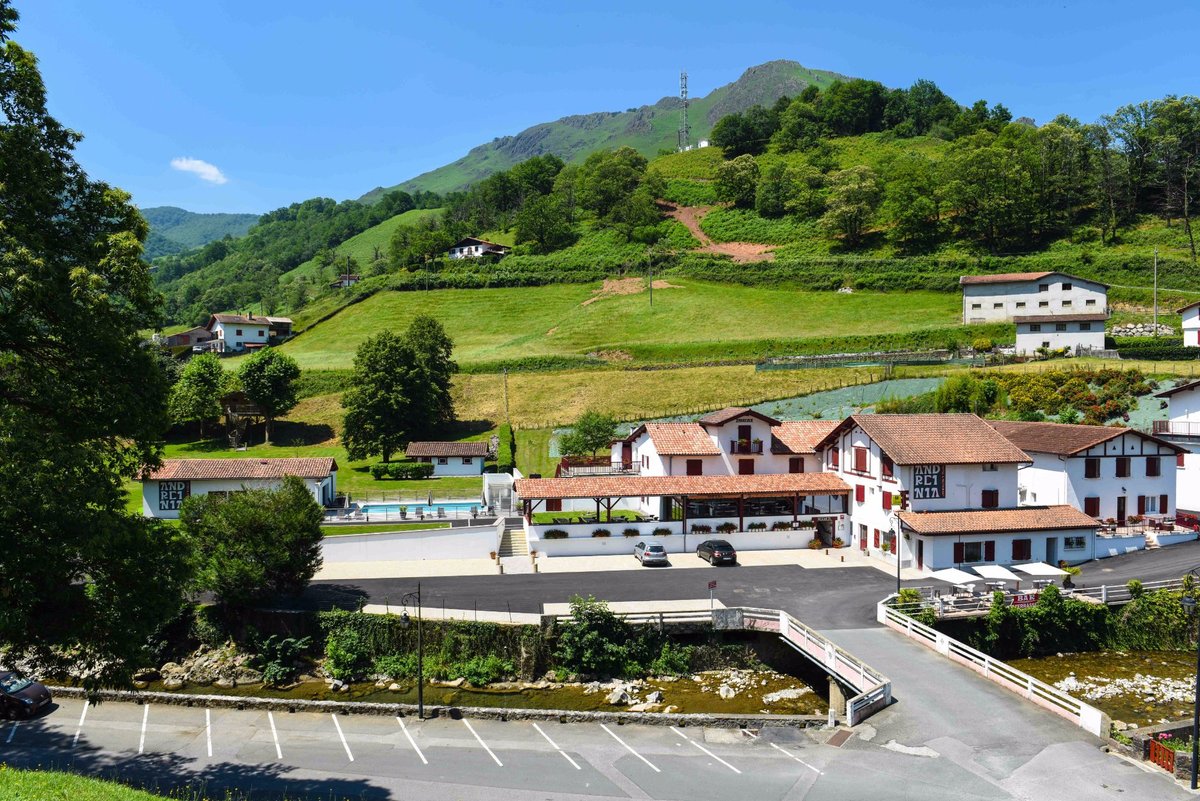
pixel 1083 715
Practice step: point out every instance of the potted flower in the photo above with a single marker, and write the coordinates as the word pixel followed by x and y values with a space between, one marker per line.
pixel 727 528
pixel 838 542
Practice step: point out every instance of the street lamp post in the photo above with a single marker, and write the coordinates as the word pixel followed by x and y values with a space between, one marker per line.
pixel 1189 605
pixel 404 621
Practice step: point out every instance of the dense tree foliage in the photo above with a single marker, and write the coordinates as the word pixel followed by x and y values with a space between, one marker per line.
pixel 196 396
pixel 269 379
pixel 255 544
pixel 592 432
pixel 81 401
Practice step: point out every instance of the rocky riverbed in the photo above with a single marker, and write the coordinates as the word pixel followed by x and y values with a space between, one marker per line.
pixel 1134 688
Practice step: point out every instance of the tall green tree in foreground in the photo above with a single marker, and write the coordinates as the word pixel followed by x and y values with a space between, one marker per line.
pixel 81 400
pixel 269 379
pixel 256 544
pixel 196 396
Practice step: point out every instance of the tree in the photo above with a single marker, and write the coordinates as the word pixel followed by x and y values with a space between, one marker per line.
pixel 544 222
pixel 636 217
pixel 269 380
pixel 853 199
pixel 82 402
pixel 776 191
pixel 591 432
pixel 912 201
pixel 737 181
pixel 433 350
pixel 378 402
pixel 255 544
pixel 608 176
pixel 196 396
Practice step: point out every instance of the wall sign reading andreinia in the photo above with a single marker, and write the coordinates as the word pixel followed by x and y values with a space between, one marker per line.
pixel 171 494
pixel 929 481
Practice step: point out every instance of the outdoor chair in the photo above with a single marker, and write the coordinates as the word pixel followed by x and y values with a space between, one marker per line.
pixel 441 512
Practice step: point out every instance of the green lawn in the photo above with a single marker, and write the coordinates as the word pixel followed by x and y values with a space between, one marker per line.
pixel 41 785
pixel 618 515
pixel 533 451
pixel 362 246
pixel 694 316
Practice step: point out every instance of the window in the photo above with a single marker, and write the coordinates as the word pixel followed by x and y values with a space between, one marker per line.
pixel 887 501
pixel 1074 543
pixel 238 332
pixel 796 464
pixel 1035 328
pixel 468 460
pixel 1122 467
pixel 1045 343
pixel 1090 302
pixel 1153 466
pixel 860 460
pixel 975 551
pixel 1066 303
pixel 1151 504
pixel 1066 287
pixel 554 504
pixel 1043 304
pixel 860 493
pixel 1164 504
pixel 1091 467
pixel 990 498
pixel 976 305
pixel 443 460
pixel 695 467
pixel 1085 326
pixel 886 466
pixel 876 537
pixel 997 305
pixel 1020 304
pixel 990 467
pixel 1091 506
pixel 1043 287
pixel 1022 550
pixel 834 457
pixel 1060 326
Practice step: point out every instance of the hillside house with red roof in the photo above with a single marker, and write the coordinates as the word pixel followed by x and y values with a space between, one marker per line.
pixel 165 489
pixel 450 458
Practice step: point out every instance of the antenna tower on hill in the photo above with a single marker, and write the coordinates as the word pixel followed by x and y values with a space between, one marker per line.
pixel 685 130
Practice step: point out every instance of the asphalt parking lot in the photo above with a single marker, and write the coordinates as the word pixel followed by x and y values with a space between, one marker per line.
pixel 304 755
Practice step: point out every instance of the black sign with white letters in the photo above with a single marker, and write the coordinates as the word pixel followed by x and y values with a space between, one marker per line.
pixel 929 481
pixel 171 494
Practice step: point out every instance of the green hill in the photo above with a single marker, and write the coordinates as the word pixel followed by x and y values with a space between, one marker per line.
pixel 175 230
pixel 648 129
pixel 362 247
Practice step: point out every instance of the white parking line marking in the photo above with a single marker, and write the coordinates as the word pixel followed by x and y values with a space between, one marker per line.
pixel 79 730
pixel 145 717
pixel 481 742
pixel 274 735
pixel 11 732
pixel 630 750
pixel 798 759
pixel 705 750
pixel 208 728
pixel 345 744
pixel 749 733
pixel 412 742
pixel 554 745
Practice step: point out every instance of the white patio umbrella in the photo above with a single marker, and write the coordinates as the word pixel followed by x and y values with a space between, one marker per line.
pixel 1040 569
pixel 952 575
pixel 996 573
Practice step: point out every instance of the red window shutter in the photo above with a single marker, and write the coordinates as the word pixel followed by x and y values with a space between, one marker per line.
pixel 860 459
pixel 1179 460
pixel 958 552
pixel 876 538
pixel 695 467
pixel 833 456
pixel 990 498
pixel 860 493
pixel 1141 504
pixel 886 465
pixel 1091 468
pixel 554 504
pixel 1163 504
pixel 1091 507
pixel 1021 550
pixel 887 501
pixel 989 551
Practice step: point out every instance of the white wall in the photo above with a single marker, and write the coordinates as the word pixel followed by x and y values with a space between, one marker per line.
pixel 1190 329
pixel 467 542
pixel 1184 407
pixel 454 465
pixel 253 333
pixel 1187 483
pixel 323 491
pixel 1028 341
pixel 617 544
pixel 939 550
pixel 1000 302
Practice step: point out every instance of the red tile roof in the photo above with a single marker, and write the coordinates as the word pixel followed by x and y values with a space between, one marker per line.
pixel 800 436
pixel 723 416
pixel 1012 278
pixel 1065 440
pixel 235 469
pixel 237 319
pixel 934 438
pixel 681 439
pixel 986 521
pixel 769 484
pixel 446 449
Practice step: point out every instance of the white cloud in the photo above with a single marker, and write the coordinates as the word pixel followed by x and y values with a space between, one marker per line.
pixel 202 169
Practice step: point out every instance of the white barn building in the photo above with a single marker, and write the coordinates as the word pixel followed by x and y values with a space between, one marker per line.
pixel 450 458
pixel 1006 296
pixel 1191 324
pixel 471 247
pixel 1076 332
pixel 165 489
pixel 1104 471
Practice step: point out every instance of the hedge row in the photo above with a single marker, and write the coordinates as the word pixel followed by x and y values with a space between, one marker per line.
pixel 401 470
pixel 1156 353
pixel 506 458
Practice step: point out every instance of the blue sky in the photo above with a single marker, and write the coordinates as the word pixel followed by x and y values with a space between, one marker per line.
pixel 295 99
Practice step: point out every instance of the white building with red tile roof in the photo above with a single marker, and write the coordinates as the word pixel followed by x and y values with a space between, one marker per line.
pixel 450 458
pixel 165 489
pixel 1003 296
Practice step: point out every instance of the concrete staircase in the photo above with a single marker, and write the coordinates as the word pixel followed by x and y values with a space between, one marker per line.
pixel 514 543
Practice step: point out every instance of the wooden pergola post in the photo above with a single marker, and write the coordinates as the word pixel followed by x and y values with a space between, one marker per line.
pixel 741 513
pixel 795 510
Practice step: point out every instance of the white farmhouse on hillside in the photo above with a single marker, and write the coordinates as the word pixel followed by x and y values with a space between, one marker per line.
pixel 472 248
pixel 1183 429
pixel 450 458
pixel 164 489
pixel 1191 324
pixel 234 332
pixel 1006 296
pixel 1074 332
pixel 1104 471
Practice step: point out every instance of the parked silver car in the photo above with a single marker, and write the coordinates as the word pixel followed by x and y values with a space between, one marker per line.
pixel 652 554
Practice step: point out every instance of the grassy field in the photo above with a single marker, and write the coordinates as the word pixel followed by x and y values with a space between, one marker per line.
pixel 575 319
pixel 41 785
pixel 362 246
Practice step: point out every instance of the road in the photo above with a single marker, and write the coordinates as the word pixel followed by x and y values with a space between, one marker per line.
pixel 309 755
pixel 1157 565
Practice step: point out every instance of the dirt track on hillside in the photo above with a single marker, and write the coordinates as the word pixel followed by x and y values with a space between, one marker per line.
pixel 690 216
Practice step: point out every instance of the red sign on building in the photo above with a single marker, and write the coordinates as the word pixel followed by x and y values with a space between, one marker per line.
pixel 1025 599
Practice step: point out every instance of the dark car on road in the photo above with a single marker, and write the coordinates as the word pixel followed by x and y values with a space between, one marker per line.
pixel 21 697
pixel 717 552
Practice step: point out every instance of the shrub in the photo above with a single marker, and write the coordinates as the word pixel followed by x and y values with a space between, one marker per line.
pixel 554 534
pixel 482 670
pixel 701 528
pixel 838 542
pixel 209 626
pixel 347 653
pixel 396 666
pixel 595 641
pixel 727 528
pixel 631 532
pixel 814 544
pixel 1134 585
pixel 760 526
pixel 506 450
pixel 601 532
pixel 379 471
pixel 276 657
pixel 661 531
pixel 781 525
pixel 672 660
pixel 982 345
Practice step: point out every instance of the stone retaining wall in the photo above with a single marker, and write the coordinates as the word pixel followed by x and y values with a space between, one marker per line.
pixel 711 720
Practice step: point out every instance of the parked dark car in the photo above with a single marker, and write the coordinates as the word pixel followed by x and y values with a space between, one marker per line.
pixel 717 552
pixel 21 697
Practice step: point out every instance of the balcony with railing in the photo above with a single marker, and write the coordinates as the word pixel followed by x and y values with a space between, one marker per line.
pixel 1176 428
pixel 745 446
pixel 572 468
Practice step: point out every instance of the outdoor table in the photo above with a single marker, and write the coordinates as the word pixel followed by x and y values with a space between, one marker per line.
pixel 996 586
pixel 1042 583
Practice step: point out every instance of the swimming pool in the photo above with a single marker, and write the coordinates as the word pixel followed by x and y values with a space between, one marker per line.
pixel 415 509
